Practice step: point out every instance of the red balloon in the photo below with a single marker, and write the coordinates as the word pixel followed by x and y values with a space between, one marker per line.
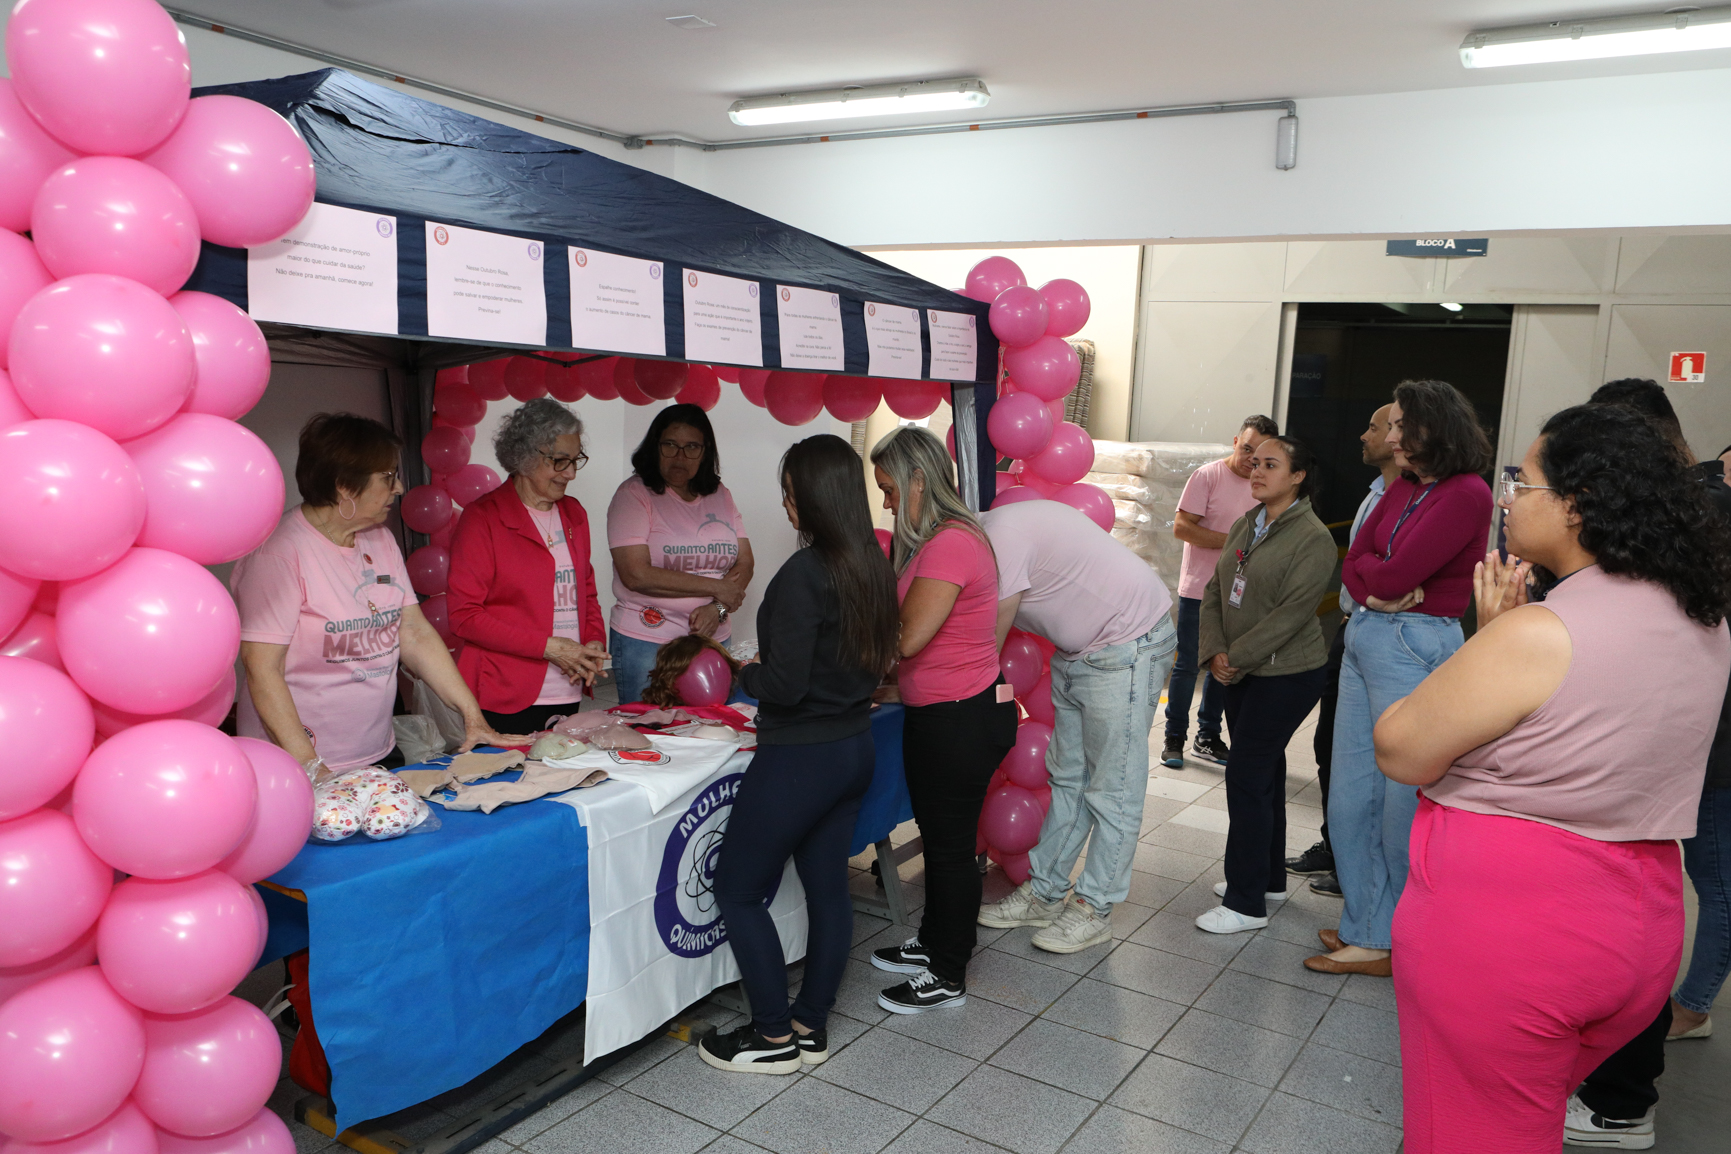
pixel 1021 663
pixel 438 616
pixel 660 380
pixel 852 398
pixel 702 388
pixel 470 482
pixel 1038 701
pixel 751 385
pixel 488 380
pixel 526 378
pixel 443 537
pixel 1010 819
pixel 456 375
pixel 565 384
pixel 445 450
pixel 706 681
pixel 429 569
pixel 950 443
pixel 426 509
pixel 458 404
pixel 597 378
pixel 1090 500
pixel 625 380
pixel 794 398
pixel 1015 865
pixel 914 400
pixel 728 373
pixel 1066 458
pixel 1025 765
pixel 886 540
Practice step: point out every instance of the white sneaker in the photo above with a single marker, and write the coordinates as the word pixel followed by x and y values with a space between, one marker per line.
pixel 1077 928
pixel 1583 1127
pixel 1021 908
pixel 1221 920
pixel 1220 892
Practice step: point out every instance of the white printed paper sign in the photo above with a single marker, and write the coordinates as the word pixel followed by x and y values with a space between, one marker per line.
pixel 485 286
pixel 810 329
pixel 893 336
pixel 721 319
pixel 336 269
pixel 616 303
pixel 955 346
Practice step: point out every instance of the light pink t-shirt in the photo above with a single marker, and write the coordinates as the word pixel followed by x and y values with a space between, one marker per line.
pixel 338 610
pixel 1218 497
pixel 558 689
pixel 962 658
pixel 700 537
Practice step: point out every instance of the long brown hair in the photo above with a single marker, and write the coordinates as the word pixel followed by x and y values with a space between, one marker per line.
pixel 671 663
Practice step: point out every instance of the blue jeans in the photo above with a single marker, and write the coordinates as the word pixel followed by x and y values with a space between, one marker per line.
pixel 1369 815
pixel 1183 688
pixel 633 661
pixel 1707 858
pixel 1104 704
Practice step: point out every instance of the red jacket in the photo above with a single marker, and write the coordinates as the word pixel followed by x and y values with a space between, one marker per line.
pixel 501 596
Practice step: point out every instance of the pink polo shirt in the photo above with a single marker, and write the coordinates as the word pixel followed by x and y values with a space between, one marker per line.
pixel 962 658
pixel 1217 497
pixel 699 537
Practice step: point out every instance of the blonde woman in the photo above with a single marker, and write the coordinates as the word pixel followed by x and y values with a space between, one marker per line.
pixel 959 725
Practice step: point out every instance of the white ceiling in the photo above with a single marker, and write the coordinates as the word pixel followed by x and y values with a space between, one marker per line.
pixel 619 65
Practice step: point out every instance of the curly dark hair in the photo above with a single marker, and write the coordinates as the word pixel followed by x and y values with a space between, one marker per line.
pixel 1301 460
pixel 1643 511
pixel 646 460
pixel 1644 396
pixel 1439 431
pixel 671 662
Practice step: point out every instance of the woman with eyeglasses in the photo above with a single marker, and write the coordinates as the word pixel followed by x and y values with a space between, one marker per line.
pixel 522 591
pixel 681 560
pixel 326 611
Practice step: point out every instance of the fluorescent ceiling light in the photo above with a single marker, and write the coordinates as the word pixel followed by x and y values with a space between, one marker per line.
pixel 1598 37
pixel 1451 306
pixel 880 100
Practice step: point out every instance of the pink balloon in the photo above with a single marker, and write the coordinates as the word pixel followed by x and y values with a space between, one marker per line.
pixel 950 442
pixel 261 916
pixel 991 277
pixel 71 501
pixel 126 1131
pixel 794 398
pixel 728 373
pixel 1016 866
pixel 213 491
pixel 1004 481
pixel 71 1049
pixel 17 979
pixel 460 405
pixel 21 273
pixel 247 174
pixel 208 1071
pixel 706 681
pixel 17 595
pixel 487 378
pixel 702 388
pixel 1026 763
pixel 166 799
pixel 1067 306
pixel 233 360
pixel 1018 316
pixel 470 482
pixel 455 375
pixel 426 509
pixel 27 156
pixel 1038 700
pixel 438 616
pixel 46 728
pixel 445 450
pixel 152 633
pixel 886 541
pixel 751 385
pixel 1019 425
pixel 1021 662
pixel 443 537
pixel 852 398
pixel 265 1134
pixel 1090 500
pixel 284 814
pixel 566 385
pixel 1040 485
pixel 1015 496
pixel 660 380
pixel 526 378
pixel 108 214
pixel 625 382
pixel 1010 819
pixel 597 378
pixel 1048 368
pixel 51 887
pixel 914 400
pixel 173 947
pixel 429 569
pixel 211 709
pixel 1066 458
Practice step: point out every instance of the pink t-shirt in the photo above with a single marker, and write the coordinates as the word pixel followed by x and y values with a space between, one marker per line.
pixel 558 689
pixel 962 659
pixel 700 537
pixel 338 611
pixel 1218 497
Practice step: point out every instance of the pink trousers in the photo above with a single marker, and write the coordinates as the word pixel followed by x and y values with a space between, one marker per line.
pixel 1524 955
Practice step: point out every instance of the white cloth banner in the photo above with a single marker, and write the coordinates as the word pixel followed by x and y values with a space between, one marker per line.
pixel 656 940
pixel 666 772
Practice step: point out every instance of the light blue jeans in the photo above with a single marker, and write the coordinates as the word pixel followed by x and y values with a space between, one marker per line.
pixel 1369 815
pixel 633 661
pixel 1105 704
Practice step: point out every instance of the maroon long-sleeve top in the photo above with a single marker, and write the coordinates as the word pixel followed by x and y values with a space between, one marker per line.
pixel 1438 544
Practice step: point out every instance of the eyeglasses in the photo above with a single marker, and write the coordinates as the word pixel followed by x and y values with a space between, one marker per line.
pixel 1508 489
pixel 690 452
pixel 391 478
pixel 567 464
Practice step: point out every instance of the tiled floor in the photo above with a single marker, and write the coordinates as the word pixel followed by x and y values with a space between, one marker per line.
pixel 1168 1041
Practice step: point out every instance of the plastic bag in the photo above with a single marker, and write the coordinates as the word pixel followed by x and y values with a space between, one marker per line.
pixel 556 745
pixel 418 738
pixel 371 803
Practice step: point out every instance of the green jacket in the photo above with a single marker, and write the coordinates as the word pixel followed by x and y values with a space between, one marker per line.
pixel 1274 631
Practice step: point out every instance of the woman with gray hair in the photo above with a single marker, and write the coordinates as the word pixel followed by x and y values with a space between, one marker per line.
pixel 960 721
pixel 522 590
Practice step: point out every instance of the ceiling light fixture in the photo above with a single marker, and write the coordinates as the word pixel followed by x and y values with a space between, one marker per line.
pixel 690 22
pixel 878 100
pixel 1451 306
pixel 1596 38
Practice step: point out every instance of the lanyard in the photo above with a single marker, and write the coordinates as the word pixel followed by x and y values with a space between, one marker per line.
pixel 1244 554
pixel 1412 503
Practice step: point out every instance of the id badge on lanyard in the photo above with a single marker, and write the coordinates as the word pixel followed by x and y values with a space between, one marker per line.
pixel 1237 597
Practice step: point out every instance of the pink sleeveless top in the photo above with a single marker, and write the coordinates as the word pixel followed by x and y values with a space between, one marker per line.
pixel 1619 751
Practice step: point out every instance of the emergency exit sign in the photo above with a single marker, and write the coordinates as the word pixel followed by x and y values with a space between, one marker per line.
pixel 1688 368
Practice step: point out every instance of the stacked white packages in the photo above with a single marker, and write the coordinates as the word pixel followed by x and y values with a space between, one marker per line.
pixel 1145 480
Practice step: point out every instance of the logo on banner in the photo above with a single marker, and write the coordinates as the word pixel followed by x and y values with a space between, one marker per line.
pixel 655 272
pixel 871 310
pixel 385 225
pixel 440 235
pixel 691 279
pixel 534 251
pixel 638 757
pixel 752 289
pixel 685 913
pixel 580 257
pixel 786 294
pixel 834 301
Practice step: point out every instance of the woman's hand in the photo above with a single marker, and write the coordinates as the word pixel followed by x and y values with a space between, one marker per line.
pixel 576 662
pixel 476 731
pixel 730 591
pixel 705 621
pixel 1499 585
pixel 889 693
pixel 1220 670
pixel 1416 597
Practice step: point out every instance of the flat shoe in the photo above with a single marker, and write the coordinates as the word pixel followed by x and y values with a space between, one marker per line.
pixel 1323 964
pixel 1331 939
pixel 1704 1030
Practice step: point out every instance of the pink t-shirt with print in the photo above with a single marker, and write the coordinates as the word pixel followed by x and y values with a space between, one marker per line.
pixel 558 689
pixel 962 658
pixel 700 537
pixel 338 611
pixel 1218 497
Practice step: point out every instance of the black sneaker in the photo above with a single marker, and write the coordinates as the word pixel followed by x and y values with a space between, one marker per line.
pixel 749 1052
pixel 1318 859
pixel 1172 757
pixel 924 991
pixel 1210 749
pixel 1326 884
pixel 813 1047
pixel 908 958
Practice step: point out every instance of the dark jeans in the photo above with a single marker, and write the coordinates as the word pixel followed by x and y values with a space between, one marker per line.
pixel 1323 743
pixel 1622 1087
pixel 1262 714
pixel 1182 688
pixel 527 721
pixel 797 801
pixel 950 750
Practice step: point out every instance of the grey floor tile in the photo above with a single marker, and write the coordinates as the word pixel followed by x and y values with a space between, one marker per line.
pixel 858 996
pixel 1019 983
pixel 1177 934
pixel 307 1140
pixel 1199 897
pixel 896 1069
pixel 1114 1131
pixel 728 1144
pixel 1156 972
pixel 814 1117
pixel 1011 1111
pixel 1152 890
pixel 1298 924
pixel 1070 1059
pixel 976 1030
pixel 1284 962
pixel 1228 1047
pixel 1192 1098
pixel 629 1067
pixel 867 925
pixel 1114 1012
pixel 1019 943
pixel 626 1124
pixel 1289 1125
pixel 690 1086
pixel 1347 1082
pixel 556 1111
pixel 1369 991
pixel 1170 863
pixel 1362 1030
pixel 1213 799
pixel 1274 1005
pixel 1127 918
pixel 925 1137
pixel 887 935
pixel 1201 842
pixel 1158 810
pixel 842 1031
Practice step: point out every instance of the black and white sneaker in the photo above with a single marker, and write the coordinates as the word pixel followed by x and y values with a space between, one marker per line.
pixel 908 958
pixel 1318 859
pixel 1172 754
pixel 813 1047
pixel 1210 749
pixel 748 1051
pixel 924 991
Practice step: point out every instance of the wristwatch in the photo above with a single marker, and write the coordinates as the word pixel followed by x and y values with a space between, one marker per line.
pixel 721 609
